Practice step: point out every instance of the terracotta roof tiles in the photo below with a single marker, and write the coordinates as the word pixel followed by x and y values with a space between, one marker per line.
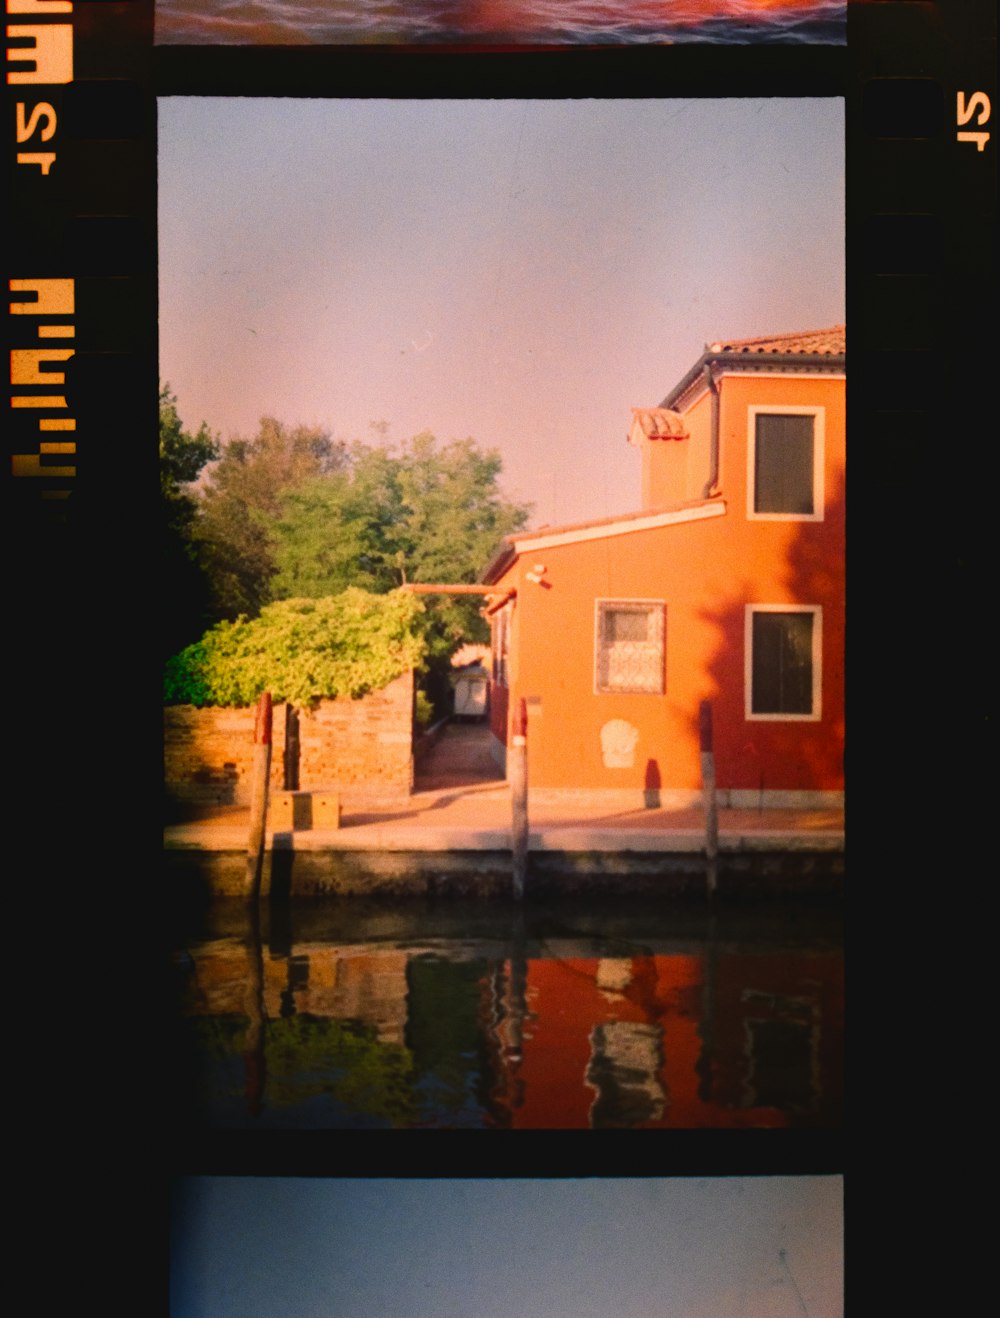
pixel 827 342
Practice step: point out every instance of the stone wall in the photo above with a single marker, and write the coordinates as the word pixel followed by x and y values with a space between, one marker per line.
pixel 362 747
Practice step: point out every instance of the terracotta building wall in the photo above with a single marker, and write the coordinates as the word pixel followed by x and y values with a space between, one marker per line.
pixel 783 562
pixel 566 716
pixel 364 747
pixel 707 573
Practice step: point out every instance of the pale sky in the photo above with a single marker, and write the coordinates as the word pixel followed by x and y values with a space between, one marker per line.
pixel 522 272
pixel 744 1247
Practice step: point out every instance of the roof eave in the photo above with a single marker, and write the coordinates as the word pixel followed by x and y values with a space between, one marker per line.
pixel 832 361
pixel 548 537
pixel 504 556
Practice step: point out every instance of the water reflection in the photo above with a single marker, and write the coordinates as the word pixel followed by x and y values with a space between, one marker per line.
pixel 300 22
pixel 339 1015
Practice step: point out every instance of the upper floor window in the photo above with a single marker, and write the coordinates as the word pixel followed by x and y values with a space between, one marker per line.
pixel 785 464
pixel 630 646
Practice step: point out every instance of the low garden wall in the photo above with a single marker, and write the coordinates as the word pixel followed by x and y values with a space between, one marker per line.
pixel 362 747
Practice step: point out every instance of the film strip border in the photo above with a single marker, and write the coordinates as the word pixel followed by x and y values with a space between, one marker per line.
pixel 921 214
pixel 922 141
pixel 80 256
pixel 78 472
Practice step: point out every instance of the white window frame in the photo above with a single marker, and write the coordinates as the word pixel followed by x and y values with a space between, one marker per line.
pixel 817 663
pixel 819 447
pixel 617 602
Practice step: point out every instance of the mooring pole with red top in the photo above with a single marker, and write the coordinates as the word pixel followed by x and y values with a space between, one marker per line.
pixel 259 780
pixel 518 774
pixel 708 791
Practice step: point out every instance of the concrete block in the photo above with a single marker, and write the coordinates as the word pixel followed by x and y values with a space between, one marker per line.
pixel 326 809
pixel 303 810
pixel 290 810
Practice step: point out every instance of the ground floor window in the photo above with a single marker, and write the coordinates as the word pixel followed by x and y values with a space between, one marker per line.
pixel 629 646
pixel 501 645
pixel 783 649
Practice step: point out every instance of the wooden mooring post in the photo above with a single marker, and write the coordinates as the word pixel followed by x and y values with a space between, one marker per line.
pixel 708 794
pixel 259 781
pixel 518 775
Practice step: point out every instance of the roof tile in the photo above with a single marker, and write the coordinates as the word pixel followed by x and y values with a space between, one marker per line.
pixel 826 342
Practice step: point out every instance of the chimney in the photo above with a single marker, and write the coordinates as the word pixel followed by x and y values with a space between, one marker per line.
pixel 662 437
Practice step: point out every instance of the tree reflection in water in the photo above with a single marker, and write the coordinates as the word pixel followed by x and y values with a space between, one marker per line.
pixel 488 1018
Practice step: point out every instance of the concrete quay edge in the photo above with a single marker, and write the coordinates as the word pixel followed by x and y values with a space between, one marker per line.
pixel 378 838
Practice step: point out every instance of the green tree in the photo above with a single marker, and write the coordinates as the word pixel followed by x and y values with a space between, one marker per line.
pixel 454 511
pixel 427 513
pixel 240 501
pixel 423 513
pixel 184 607
pixel 182 455
pixel 340 530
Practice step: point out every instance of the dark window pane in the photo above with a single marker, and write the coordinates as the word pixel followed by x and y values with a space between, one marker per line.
pixel 783 466
pixel 501 647
pixel 782 663
pixel 782 1064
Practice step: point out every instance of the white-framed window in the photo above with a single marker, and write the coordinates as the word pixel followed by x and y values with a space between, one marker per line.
pixel 629 650
pixel 783 647
pixel 785 463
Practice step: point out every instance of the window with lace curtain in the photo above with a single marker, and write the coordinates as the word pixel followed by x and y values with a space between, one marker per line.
pixel 630 646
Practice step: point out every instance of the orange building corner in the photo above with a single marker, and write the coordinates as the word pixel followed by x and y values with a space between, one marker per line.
pixel 727 585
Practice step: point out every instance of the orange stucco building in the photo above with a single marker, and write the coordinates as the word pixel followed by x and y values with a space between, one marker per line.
pixel 727 585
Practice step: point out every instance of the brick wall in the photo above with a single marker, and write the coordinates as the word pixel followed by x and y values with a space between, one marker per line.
pixel 364 747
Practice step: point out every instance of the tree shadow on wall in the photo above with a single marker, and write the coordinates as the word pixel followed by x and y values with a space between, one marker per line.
pixel 783 753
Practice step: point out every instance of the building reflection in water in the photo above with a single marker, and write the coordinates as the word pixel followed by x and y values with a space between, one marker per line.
pixel 514 1031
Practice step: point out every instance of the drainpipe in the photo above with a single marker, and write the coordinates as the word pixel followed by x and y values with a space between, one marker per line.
pixel 711 487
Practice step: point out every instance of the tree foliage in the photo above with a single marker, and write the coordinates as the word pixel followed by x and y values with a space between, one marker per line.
pixel 182 455
pixel 302 650
pixel 242 498
pixel 184 609
pixel 426 513
pixel 310 1059
pixel 292 515
pixel 336 531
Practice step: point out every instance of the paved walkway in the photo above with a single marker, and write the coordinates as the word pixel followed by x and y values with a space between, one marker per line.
pixel 460 805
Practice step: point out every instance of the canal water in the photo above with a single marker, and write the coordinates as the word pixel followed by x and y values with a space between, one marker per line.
pixel 340 1013
pixel 539 22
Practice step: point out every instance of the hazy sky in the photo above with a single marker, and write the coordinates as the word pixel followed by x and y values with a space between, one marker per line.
pixel 680 1248
pixel 523 272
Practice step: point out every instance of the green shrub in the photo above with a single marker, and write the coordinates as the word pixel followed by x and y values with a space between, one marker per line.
pixel 301 650
pixel 424 712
